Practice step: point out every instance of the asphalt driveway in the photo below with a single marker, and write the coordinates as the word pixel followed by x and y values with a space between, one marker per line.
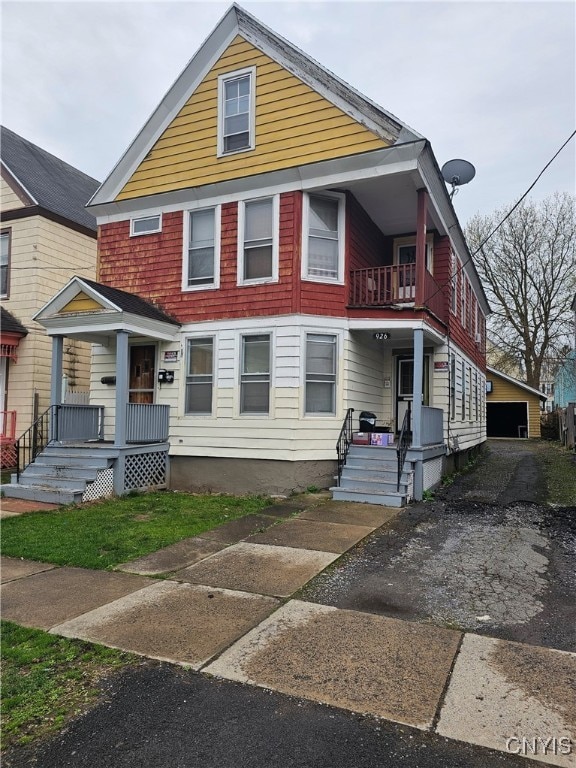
pixel 486 556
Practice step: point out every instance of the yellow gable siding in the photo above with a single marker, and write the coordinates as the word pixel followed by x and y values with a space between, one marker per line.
pixel 507 392
pixel 294 125
pixel 81 303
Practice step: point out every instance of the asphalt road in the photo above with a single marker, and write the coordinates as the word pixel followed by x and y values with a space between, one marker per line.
pixel 161 716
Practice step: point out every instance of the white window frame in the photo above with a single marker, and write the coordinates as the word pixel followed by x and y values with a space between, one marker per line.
pixel 186 244
pixel 336 342
pixel 222 79
pixel 6 235
pixel 275 241
pixel 188 339
pixel 454 269
pixel 271 346
pixel 148 231
pixel 341 198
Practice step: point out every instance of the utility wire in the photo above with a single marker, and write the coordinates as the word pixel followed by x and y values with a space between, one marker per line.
pixel 497 227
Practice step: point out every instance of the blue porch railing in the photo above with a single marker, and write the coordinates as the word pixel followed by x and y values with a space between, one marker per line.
pixel 147 423
pixel 432 429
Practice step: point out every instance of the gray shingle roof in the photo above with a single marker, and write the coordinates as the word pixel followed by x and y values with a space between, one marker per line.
pixel 130 302
pixel 54 184
pixel 9 324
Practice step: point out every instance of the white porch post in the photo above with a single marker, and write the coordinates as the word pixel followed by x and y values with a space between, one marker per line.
pixel 56 382
pixel 121 387
pixel 417 409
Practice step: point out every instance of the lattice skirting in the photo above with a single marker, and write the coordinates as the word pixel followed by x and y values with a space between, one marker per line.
pixel 102 487
pixel 145 470
pixel 432 472
pixel 8 458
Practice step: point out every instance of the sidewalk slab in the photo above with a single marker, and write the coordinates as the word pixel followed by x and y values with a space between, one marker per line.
pixel 12 568
pixel 311 534
pixel 51 597
pixel 173 557
pixel 352 513
pixel 258 568
pixel 179 623
pixel 21 506
pixel 365 663
pixel 501 693
pixel 236 530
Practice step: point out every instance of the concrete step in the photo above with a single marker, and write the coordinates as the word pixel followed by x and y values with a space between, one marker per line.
pixel 39 493
pixel 373 451
pixel 372 485
pixel 73 460
pixel 58 483
pixel 86 449
pixel 84 472
pixel 390 499
pixel 386 474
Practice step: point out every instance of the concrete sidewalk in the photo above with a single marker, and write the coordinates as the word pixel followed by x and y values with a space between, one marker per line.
pixel 224 608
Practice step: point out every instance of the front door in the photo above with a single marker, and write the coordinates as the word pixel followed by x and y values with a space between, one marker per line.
pixel 405 387
pixel 142 372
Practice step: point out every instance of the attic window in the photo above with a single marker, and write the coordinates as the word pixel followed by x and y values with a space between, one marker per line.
pixel 146 225
pixel 236 111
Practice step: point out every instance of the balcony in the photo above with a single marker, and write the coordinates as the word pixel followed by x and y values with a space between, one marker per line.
pixel 380 287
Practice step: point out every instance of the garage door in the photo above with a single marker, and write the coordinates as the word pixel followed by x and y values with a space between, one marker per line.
pixel 507 419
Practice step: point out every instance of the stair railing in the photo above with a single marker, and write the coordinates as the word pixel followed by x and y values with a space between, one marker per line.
pixel 404 441
pixel 344 442
pixel 34 440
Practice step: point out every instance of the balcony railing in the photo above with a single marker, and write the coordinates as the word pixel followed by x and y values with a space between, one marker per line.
pixel 396 284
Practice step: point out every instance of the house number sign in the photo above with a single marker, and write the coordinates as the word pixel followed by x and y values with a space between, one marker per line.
pixel 381 336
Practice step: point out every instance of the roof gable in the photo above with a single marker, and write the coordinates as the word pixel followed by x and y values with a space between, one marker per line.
pixel 151 150
pixel 46 180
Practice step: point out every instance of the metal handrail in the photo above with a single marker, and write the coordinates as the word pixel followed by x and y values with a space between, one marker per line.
pixel 33 441
pixel 344 441
pixel 404 441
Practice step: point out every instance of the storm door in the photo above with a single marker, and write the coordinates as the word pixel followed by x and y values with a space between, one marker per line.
pixel 405 387
pixel 142 369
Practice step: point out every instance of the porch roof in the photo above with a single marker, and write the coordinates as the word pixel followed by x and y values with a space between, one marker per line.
pixel 93 312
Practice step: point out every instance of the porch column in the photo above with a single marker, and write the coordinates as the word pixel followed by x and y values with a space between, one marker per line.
pixel 418 377
pixel 421 247
pixel 121 387
pixel 417 410
pixel 56 382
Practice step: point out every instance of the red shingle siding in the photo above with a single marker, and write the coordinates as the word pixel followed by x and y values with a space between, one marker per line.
pixel 365 244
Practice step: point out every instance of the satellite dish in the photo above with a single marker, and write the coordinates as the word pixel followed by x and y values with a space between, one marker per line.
pixel 458 172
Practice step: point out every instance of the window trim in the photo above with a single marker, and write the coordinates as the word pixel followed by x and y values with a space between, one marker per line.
pixel 186 243
pixel 8 234
pixel 143 218
pixel 222 79
pixel 187 340
pixel 336 336
pixel 271 346
pixel 341 198
pixel 275 241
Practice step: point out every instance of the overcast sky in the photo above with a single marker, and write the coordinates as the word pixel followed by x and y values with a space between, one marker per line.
pixel 493 83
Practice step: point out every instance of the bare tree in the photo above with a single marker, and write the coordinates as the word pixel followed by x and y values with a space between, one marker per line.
pixel 528 267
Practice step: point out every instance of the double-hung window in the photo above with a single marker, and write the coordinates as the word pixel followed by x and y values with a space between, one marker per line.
pixel 255 374
pixel 258 240
pixel 4 262
pixel 203 246
pixel 236 111
pixel 323 233
pixel 320 385
pixel 199 375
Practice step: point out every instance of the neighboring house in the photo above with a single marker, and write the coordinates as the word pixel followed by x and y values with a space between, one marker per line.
pixel 565 379
pixel 512 408
pixel 46 236
pixel 302 247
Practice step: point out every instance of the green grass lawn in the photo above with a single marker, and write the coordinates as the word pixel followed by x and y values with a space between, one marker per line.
pixel 560 470
pixel 104 534
pixel 46 680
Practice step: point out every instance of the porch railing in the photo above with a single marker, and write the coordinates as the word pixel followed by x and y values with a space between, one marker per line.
pixel 432 430
pixel 344 441
pixel 78 422
pixel 8 425
pixel 58 422
pixel 147 423
pixel 404 440
pixel 380 286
